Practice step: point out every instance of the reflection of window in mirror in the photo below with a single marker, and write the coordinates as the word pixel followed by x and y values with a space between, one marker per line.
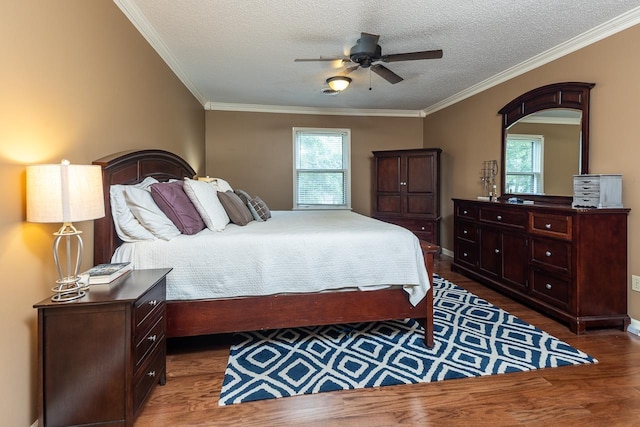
pixel 524 167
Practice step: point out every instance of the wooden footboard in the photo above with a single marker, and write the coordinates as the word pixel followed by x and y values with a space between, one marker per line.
pixel 202 317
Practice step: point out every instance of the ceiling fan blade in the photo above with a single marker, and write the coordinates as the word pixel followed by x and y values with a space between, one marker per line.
pixel 386 74
pixel 349 70
pixel 413 56
pixel 342 58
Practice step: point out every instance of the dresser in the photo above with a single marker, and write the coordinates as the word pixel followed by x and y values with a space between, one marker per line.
pixel 570 264
pixel 407 190
pixel 100 356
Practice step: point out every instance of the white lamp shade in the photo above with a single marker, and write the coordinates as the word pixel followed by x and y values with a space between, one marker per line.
pixel 64 193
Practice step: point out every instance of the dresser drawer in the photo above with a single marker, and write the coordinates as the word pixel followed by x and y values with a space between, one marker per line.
pixel 466 253
pixel 466 211
pixel 146 342
pixel 550 225
pixel 147 304
pixel 466 230
pixel 509 217
pixel 551 289
pixel 550 253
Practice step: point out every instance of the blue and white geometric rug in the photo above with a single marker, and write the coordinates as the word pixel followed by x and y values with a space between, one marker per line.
pixel 472 338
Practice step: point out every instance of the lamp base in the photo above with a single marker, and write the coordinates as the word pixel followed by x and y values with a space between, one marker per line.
pixel 67 291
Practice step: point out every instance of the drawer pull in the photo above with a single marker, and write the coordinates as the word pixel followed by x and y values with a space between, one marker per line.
pixel 465 212
pixel 499 217
pixel 151 373
pixel 547 226
pixel 497 251
pixel 548 286
pixel 548 253
pixel 422 228
pixel 465 232
pixel 153 302
pixel 152 338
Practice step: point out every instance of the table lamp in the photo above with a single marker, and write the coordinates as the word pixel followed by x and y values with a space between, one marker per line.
pixel 65 193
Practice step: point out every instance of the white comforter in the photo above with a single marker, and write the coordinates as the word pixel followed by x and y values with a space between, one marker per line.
pixel 292 252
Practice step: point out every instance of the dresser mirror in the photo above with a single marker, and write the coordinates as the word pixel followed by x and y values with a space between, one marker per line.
pixel 545 141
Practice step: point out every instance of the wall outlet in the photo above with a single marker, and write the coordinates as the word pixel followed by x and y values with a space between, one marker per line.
pixel 635 283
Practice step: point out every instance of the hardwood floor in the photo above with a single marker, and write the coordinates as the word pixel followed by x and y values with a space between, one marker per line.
pixel 605 394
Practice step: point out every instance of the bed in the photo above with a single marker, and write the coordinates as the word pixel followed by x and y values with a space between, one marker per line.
pixel 191 315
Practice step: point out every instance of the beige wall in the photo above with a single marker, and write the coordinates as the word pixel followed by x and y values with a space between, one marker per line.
pixel 469 131
pixel 254 151
pixel 79 82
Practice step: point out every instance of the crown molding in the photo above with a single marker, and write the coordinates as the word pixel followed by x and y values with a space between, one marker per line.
pixel 602 31
pixel 133 13
pixel 280 109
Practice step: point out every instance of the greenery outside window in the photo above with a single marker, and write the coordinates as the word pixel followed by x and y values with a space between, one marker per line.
pixel 525 159
pixel 322 168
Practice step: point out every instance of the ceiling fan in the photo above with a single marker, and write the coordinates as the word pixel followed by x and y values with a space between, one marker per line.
pixel 367 54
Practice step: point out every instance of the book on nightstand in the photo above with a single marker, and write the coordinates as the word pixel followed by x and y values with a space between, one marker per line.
pixel 102 274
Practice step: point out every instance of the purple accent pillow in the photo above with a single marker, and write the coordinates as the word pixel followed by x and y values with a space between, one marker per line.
pixel 175 204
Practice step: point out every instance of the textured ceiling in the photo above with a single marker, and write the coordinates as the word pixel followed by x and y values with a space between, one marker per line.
pixel 241 52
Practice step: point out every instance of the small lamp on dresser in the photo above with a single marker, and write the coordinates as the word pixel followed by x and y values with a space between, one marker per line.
pixel 65 193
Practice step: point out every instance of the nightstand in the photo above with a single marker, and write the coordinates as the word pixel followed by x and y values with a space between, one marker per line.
pixel 100 356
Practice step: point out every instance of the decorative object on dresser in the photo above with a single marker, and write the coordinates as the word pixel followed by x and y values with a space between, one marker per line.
pixel 100 356
pixel 65 193
pixel 597 191
pixel 407 190
pixel 568 263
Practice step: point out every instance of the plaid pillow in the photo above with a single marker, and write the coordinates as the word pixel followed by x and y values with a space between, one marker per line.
pixel 259 209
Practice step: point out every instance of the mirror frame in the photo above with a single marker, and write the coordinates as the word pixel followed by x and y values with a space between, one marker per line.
pixel 571 95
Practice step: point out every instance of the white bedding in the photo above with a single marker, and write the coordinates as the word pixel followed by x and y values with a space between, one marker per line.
pixel 293 252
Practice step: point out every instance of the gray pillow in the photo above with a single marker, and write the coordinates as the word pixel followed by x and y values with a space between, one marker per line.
pixel 259 209
pixel 243 196
pixel 235 208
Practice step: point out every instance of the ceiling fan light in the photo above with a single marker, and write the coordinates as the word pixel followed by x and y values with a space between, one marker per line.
pixel 338 83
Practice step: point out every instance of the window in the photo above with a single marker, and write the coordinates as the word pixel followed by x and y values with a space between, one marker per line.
pixel 525 154
pixel 321 170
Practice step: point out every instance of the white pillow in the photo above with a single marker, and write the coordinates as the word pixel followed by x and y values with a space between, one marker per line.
pixel 127 226
pixel 205 198
pixel 144 208
pixel 221 185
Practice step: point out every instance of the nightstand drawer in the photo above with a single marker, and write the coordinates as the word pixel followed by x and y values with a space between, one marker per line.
pixel 148 341
pixel 148 377
pixel 148 303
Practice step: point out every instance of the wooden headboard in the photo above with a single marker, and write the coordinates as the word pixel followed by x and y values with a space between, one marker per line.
pixel 130 167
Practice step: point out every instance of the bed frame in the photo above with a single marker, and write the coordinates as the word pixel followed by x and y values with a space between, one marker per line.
pixel 214 316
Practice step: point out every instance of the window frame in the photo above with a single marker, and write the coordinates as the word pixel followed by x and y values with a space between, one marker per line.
pixel 538 158
pixel 346 162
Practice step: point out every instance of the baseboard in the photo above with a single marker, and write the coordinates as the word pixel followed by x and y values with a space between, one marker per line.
pixel 447 252
pixel 634 327
pixel 35 424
